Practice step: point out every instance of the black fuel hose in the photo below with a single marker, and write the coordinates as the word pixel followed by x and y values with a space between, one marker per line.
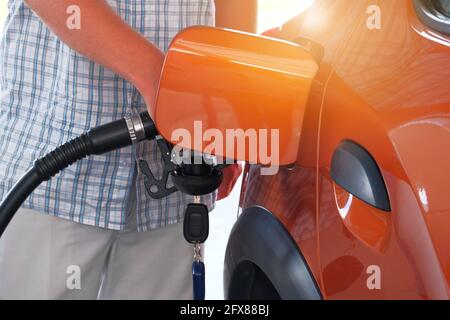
pixel 99 140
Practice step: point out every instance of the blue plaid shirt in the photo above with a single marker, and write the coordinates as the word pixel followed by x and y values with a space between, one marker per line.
pixel 50 94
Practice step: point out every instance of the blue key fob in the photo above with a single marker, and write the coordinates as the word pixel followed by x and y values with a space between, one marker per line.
pixel 198 278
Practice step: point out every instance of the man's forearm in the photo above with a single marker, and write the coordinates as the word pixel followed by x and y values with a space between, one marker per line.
pixel 103 37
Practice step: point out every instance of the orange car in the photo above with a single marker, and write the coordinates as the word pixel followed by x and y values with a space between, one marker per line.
pixel 364 213
pixel 360 205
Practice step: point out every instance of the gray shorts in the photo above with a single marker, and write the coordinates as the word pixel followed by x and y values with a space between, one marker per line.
pixel 43 257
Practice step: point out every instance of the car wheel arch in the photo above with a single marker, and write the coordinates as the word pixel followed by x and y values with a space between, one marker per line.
pixel 258 238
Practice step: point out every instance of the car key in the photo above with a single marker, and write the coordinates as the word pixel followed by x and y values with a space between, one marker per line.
pixel 196 230
pixel 196 223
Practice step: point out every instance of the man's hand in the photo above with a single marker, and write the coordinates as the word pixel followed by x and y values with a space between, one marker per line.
pixel 230 176
pixel 150 82
pixel 106 39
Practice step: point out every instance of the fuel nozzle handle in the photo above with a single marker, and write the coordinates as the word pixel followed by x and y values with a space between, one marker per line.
pixel 99 140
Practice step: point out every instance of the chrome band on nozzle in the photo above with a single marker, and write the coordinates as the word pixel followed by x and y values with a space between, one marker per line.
pixel 135 128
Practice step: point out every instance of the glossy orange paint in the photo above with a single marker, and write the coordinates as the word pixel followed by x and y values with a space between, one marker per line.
pixel 387 89
pixel 229 80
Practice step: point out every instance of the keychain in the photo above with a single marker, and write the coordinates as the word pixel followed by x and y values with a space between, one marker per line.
pixel 198 274
pixel 193 179
pixel 196 230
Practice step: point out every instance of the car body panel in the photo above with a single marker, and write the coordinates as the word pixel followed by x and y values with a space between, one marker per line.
pixel 388 90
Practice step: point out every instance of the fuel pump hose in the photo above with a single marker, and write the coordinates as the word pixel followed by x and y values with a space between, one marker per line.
pixel 99 140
